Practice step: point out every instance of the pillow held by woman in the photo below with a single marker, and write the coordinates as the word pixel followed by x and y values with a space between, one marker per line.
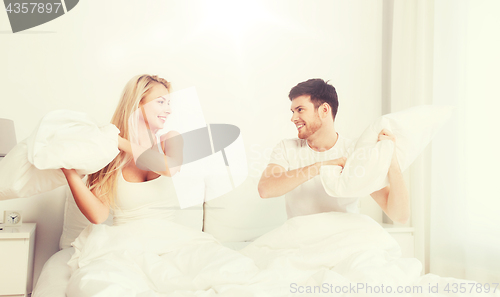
pixel 62 139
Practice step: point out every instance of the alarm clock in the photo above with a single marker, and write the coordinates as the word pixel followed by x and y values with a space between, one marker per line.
pixel 12 218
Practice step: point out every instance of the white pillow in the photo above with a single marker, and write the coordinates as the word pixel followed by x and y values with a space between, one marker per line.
pixel 20 179
pixel 368 162
pixel 72 140
pixel 63 139
pixel 74 221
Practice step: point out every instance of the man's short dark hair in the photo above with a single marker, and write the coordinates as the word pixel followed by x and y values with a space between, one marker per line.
pixel 320 92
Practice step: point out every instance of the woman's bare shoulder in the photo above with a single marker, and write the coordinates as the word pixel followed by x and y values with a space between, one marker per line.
pixel 168 135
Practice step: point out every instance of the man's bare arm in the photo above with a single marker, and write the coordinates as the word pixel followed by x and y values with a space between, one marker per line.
pixel 276 181
pixel 394 199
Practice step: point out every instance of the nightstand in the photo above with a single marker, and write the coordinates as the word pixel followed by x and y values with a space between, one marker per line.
pixel 17 247
pixel 404 236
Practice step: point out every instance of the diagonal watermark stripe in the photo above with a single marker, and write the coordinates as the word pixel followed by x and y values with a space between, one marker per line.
pixel 211 158
pixel 28 14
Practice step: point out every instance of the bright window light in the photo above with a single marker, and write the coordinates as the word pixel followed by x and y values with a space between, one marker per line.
pixel 233 17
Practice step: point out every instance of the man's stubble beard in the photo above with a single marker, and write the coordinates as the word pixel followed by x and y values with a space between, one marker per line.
pixel 312 127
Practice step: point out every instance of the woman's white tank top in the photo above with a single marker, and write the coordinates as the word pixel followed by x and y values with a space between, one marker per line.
pixel 155 199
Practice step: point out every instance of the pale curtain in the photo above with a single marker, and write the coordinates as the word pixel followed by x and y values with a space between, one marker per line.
pixel 465 199
pixel 447 52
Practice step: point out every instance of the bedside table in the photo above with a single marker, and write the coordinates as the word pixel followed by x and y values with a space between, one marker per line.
pixel 404 236
pixel 17 247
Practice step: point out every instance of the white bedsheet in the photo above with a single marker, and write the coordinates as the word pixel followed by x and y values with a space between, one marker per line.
pixel 55 274
pixel 328 250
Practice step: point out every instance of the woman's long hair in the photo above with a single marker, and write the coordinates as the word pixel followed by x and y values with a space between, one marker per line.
pixel 103 182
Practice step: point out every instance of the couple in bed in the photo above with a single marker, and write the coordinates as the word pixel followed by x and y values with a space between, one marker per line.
pixel 144 108
pixel 138 190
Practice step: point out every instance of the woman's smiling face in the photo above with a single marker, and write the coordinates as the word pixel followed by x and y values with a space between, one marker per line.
pixel 156 107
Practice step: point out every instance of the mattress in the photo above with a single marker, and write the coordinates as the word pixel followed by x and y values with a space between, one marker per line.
pixel 55 274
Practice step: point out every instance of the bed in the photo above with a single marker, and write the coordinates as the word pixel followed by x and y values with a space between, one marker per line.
pixel 300 257
pixel 212 217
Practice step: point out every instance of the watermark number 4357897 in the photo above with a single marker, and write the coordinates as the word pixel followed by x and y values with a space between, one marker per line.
pixel 28 14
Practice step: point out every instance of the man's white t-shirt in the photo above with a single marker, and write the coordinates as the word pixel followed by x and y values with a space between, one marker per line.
pixel 310 197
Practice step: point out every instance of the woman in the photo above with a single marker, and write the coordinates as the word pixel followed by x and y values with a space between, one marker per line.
pixel 141 113
pixel 145 251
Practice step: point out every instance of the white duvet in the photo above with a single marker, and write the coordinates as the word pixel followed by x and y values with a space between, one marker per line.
pixel 327 254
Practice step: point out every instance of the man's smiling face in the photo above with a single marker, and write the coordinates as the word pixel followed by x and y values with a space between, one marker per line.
pixel 305 116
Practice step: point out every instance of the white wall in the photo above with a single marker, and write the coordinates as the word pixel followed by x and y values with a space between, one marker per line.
pixel 82 60
pixel 242 58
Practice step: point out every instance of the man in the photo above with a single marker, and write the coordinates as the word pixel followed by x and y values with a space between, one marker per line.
pixel 295 163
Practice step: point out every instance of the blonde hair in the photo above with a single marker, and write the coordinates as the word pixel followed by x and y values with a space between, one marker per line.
pixel 103 182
